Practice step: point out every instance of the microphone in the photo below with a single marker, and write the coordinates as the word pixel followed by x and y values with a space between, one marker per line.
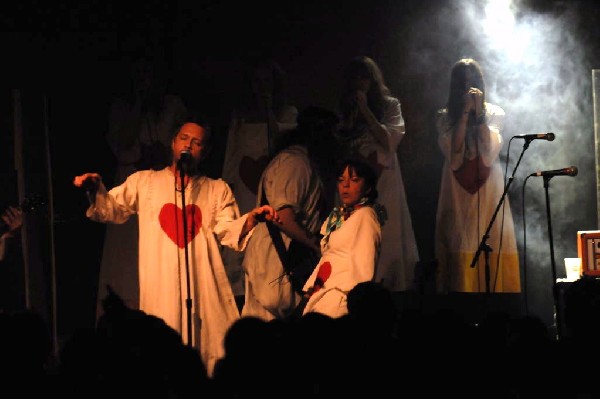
pixel 570 171
pixel 538 136
pixel 185 156
pixel 184 163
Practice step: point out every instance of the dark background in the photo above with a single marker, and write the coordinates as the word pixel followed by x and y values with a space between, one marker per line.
pixel 67 59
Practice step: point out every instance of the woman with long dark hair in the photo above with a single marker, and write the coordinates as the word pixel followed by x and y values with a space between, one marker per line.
pixel 372 127
pixel 471 186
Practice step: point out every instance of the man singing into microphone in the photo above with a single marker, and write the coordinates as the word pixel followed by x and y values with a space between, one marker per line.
pixel 472 184
pixel 169 280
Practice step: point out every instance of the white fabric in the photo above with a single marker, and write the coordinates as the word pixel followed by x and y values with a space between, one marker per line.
pixel 249 140
pixel 399 253
pixel 246 156
pixel 120 252
pixel 288 180
pixel 352 251
pixel 462 218
pixel 162 268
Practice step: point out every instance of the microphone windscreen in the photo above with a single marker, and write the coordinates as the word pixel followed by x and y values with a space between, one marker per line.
pixel 185 155
pixel 574 170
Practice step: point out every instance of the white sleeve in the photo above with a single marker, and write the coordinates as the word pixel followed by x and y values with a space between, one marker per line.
pixel 116 205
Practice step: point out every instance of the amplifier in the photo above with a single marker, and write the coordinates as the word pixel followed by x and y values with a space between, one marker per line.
pixel 588 249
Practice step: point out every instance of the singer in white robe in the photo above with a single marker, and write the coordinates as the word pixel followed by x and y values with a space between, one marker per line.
pixel 465 211
pixel 213 219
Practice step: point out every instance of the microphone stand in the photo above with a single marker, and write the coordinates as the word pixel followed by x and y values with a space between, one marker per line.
pixel 188 302
pixel 269 129
pixel 552 261
pixel 483 246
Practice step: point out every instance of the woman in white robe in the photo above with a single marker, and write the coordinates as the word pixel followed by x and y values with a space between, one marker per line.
pixel 372 128
pixel 350 245
pixel 471 186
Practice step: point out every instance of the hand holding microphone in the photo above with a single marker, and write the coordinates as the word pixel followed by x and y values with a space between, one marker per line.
pixel 474 101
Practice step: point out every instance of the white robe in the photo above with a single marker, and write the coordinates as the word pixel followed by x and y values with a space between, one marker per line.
pixel 399 252
pixel 120 253
pixel 213 219
pixel 352 251
pixel 464 213
pixel 289 180
pixel 246 156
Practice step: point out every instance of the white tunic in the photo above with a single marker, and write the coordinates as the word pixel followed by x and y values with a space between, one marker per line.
pixel 120 253
pixel 213 218
pixel 399 253
pixel 289 180
pixel 465 209
pixel 352 252
pixel 246 156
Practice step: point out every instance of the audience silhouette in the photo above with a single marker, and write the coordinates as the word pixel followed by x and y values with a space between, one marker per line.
pixel 375 350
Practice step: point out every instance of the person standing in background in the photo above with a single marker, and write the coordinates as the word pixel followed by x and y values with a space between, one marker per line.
pixel 141 123
pixel 293 184
pixel 372 128
pixel 472 184
pixel 261 115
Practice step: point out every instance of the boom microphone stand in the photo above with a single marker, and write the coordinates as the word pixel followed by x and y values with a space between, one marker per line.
pixel 182 164
pixel 483 246
pixel 552 260
pixel 571 171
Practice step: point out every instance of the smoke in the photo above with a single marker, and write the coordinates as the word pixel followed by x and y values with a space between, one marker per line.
pixel 536 65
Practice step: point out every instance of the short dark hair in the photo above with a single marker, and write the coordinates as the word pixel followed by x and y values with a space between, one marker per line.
pixel 364 170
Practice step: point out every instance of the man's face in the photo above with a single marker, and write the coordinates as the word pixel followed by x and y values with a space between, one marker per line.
pixel 191 137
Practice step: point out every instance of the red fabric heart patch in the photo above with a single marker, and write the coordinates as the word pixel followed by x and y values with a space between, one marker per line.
pixel 322 276
pixel 171 221
pixel 472 174
pixel 251 170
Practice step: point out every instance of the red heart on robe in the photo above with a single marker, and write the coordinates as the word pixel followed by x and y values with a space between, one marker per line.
pixel 322 276
pixel 171 221
pixel 251 170
pixel 472 174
